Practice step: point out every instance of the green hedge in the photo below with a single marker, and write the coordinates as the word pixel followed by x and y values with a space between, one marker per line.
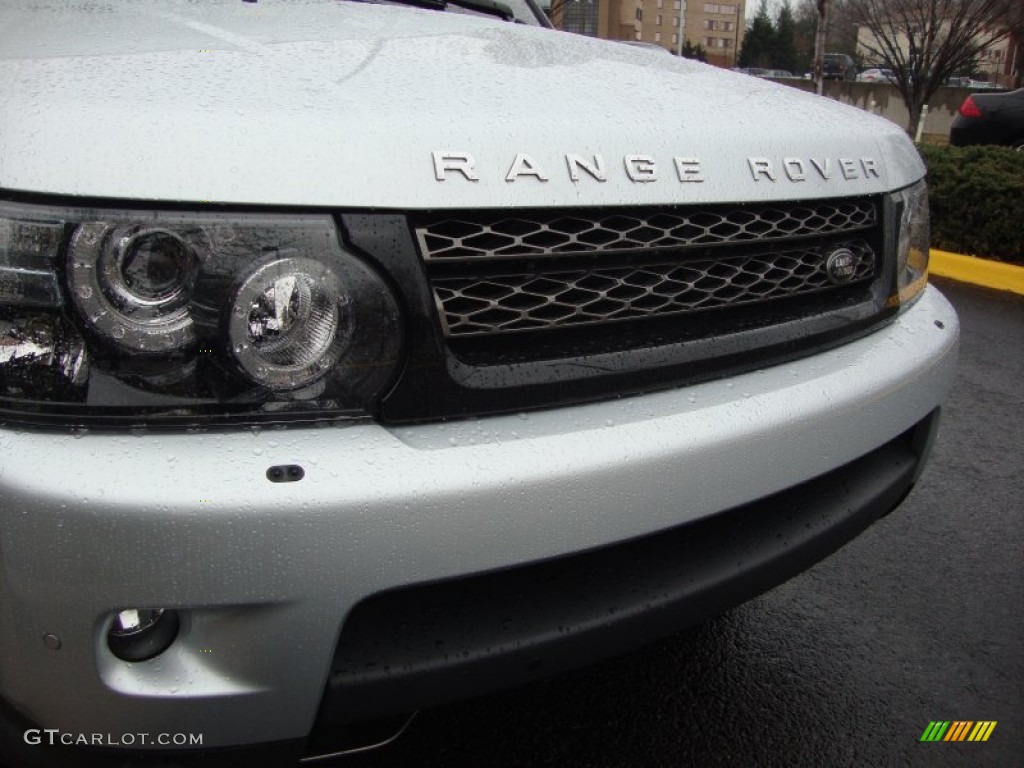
pixel 977 200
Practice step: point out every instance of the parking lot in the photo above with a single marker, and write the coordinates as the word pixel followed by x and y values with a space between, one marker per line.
pixel 917 620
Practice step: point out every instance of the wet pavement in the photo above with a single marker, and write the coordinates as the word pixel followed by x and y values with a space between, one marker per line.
pixel 921 618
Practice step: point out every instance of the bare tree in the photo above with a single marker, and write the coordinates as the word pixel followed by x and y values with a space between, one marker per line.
pixel 819 47
pixel 924 42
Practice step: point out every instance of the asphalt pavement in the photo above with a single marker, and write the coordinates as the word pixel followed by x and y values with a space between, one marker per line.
pixel 919 619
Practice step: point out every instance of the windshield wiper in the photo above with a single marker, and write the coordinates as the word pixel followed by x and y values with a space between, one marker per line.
pixel 492 7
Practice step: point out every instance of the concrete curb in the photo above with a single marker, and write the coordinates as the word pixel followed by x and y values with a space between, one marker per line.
pixel 968 269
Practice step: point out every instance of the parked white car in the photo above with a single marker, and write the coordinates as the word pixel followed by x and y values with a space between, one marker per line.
pixel 877 76
pixel 358 356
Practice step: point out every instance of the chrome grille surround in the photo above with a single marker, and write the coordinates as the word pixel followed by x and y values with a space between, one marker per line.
pixel 523 301
pixel 531 234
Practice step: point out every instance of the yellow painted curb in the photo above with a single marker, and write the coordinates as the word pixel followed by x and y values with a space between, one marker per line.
pixel 968 269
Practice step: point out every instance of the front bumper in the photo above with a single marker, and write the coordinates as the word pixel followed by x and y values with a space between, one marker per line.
pixel 429 643
pixel 265 574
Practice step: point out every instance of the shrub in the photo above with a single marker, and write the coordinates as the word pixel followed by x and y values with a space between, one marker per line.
pixel 977 200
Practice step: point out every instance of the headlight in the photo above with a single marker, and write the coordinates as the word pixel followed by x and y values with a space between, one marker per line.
pixel 913 241
pixel 130 317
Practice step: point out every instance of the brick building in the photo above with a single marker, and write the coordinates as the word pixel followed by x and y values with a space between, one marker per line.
pixel 717 26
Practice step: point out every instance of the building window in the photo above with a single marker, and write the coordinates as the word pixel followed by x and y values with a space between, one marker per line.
pixel 710 24
pixel 639 14
pixel 657 20
pixel 725 10
pixel 676 5
pixel 727 42
pixel 580 17
pixel 675 39
pixel 727 26
pixel 660 2
pixel 657 37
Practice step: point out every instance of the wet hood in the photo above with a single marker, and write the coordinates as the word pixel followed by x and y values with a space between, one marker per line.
pixel 356 105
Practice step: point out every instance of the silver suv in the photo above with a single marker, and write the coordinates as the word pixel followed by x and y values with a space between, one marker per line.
pixel 360 356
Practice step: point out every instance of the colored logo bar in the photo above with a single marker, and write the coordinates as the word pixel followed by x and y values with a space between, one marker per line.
pixel 958 730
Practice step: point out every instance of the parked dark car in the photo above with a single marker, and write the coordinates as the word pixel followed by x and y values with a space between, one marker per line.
pixel 990 118
pixel 838 66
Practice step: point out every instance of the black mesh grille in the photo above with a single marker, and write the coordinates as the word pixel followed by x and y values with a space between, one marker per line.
pixel 558 233
pixel 528 301
pixel 499 272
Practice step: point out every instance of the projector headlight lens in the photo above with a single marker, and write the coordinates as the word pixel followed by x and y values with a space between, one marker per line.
pixel 156 266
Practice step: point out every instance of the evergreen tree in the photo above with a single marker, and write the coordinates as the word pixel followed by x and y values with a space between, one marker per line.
pixel 691 51
pixel 805 28
pixel 784 52
pixel 759 41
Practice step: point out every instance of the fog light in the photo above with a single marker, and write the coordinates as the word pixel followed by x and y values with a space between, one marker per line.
pixel 140 633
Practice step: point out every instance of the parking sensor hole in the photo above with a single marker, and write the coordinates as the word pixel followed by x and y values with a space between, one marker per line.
pixel 285 473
